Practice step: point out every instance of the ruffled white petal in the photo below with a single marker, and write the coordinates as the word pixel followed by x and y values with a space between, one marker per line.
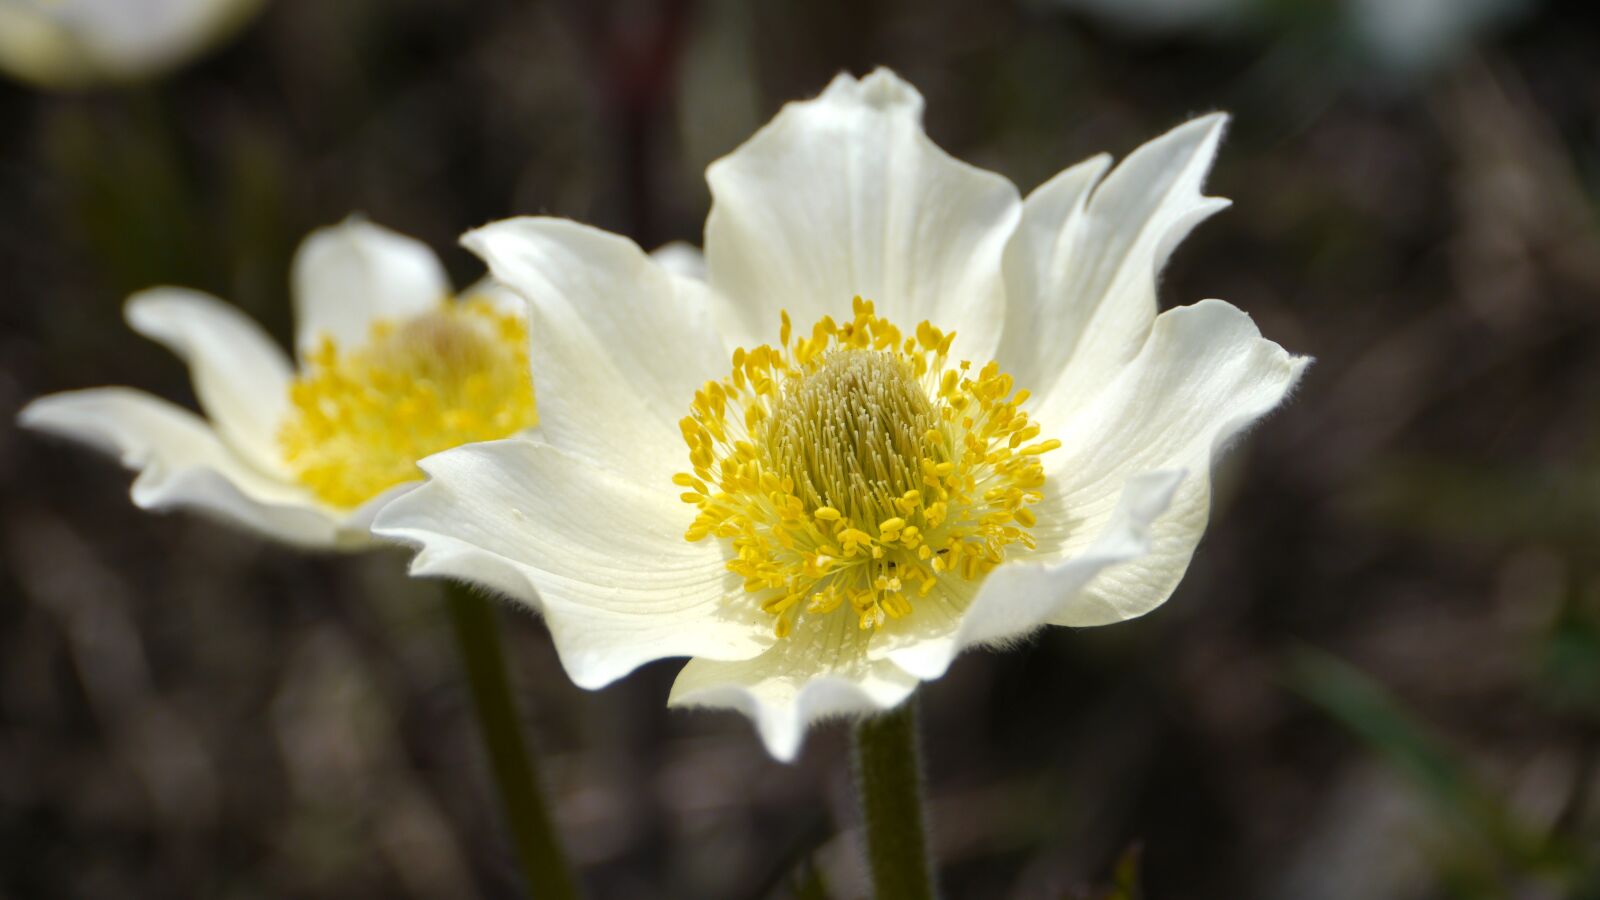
pixel 601 555
pixel 349 275
pixel 181 462
pixel 240 375
pixel 1205 375
pixel 619 345
pixel 818 672
pixel 846 195
pixel 1122 520
pixel 1020 597
pixel 1081 270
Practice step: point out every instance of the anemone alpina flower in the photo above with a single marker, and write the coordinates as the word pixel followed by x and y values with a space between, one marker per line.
pixel 391 369
pixel 905 412
pixel 61 43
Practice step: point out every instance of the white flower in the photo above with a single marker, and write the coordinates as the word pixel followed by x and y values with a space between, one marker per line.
pixel 857 504
pixel 60 43
pixel 391 370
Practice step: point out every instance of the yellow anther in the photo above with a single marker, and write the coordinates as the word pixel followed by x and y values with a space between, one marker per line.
pixel 684 479
pixel 826 513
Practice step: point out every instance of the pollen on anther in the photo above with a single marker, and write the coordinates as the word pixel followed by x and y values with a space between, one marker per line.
pixel 853 463
pixel 361 417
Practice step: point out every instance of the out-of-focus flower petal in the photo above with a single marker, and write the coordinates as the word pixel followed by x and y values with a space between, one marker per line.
pixel 349 275
pixel 181 463
pixel 240 376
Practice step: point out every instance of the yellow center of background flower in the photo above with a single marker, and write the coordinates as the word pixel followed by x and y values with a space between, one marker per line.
pixel 854 468
pixel 362 418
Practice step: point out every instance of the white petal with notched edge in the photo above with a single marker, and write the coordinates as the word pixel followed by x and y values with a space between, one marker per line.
pixel 240 375
pixel 180 461
pixel 1027 594
pixel 1204 374
pixel 603 556
pixel 349 275
pixel 802 679
pixel 846 195
pixel 1081 270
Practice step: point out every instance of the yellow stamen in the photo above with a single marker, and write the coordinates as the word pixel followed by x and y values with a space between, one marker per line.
pixel 362 418
pixel 854 464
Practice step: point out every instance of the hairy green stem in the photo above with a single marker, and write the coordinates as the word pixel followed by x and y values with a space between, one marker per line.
pixel 477 632
pixel 889 782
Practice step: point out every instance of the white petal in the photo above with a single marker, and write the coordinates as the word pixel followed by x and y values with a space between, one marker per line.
pixel 499 296
pixel 602 556
pixel 181 462
pixel 846 195
pixel 349 275
pixel 818 672
pixel 1081 270
pixel 1205 375
pixel 935 618
pixel 1020 597
pixel 359 521
pixel 240 376
pixel 619 345
pixel 681 258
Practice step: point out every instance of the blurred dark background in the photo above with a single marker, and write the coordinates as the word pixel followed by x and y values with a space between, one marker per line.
pixel 1380 679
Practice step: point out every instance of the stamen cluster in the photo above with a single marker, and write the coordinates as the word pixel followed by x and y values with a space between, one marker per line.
pixel 361 419
pixel 857 467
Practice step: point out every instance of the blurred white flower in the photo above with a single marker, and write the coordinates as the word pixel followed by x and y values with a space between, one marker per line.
pixel 391 370
pixel 1403 35
pixel 856 503
pixel 1419 34
pixel 63 43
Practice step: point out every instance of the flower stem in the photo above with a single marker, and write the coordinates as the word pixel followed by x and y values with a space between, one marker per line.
pixel 889 781
pixel 478 638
